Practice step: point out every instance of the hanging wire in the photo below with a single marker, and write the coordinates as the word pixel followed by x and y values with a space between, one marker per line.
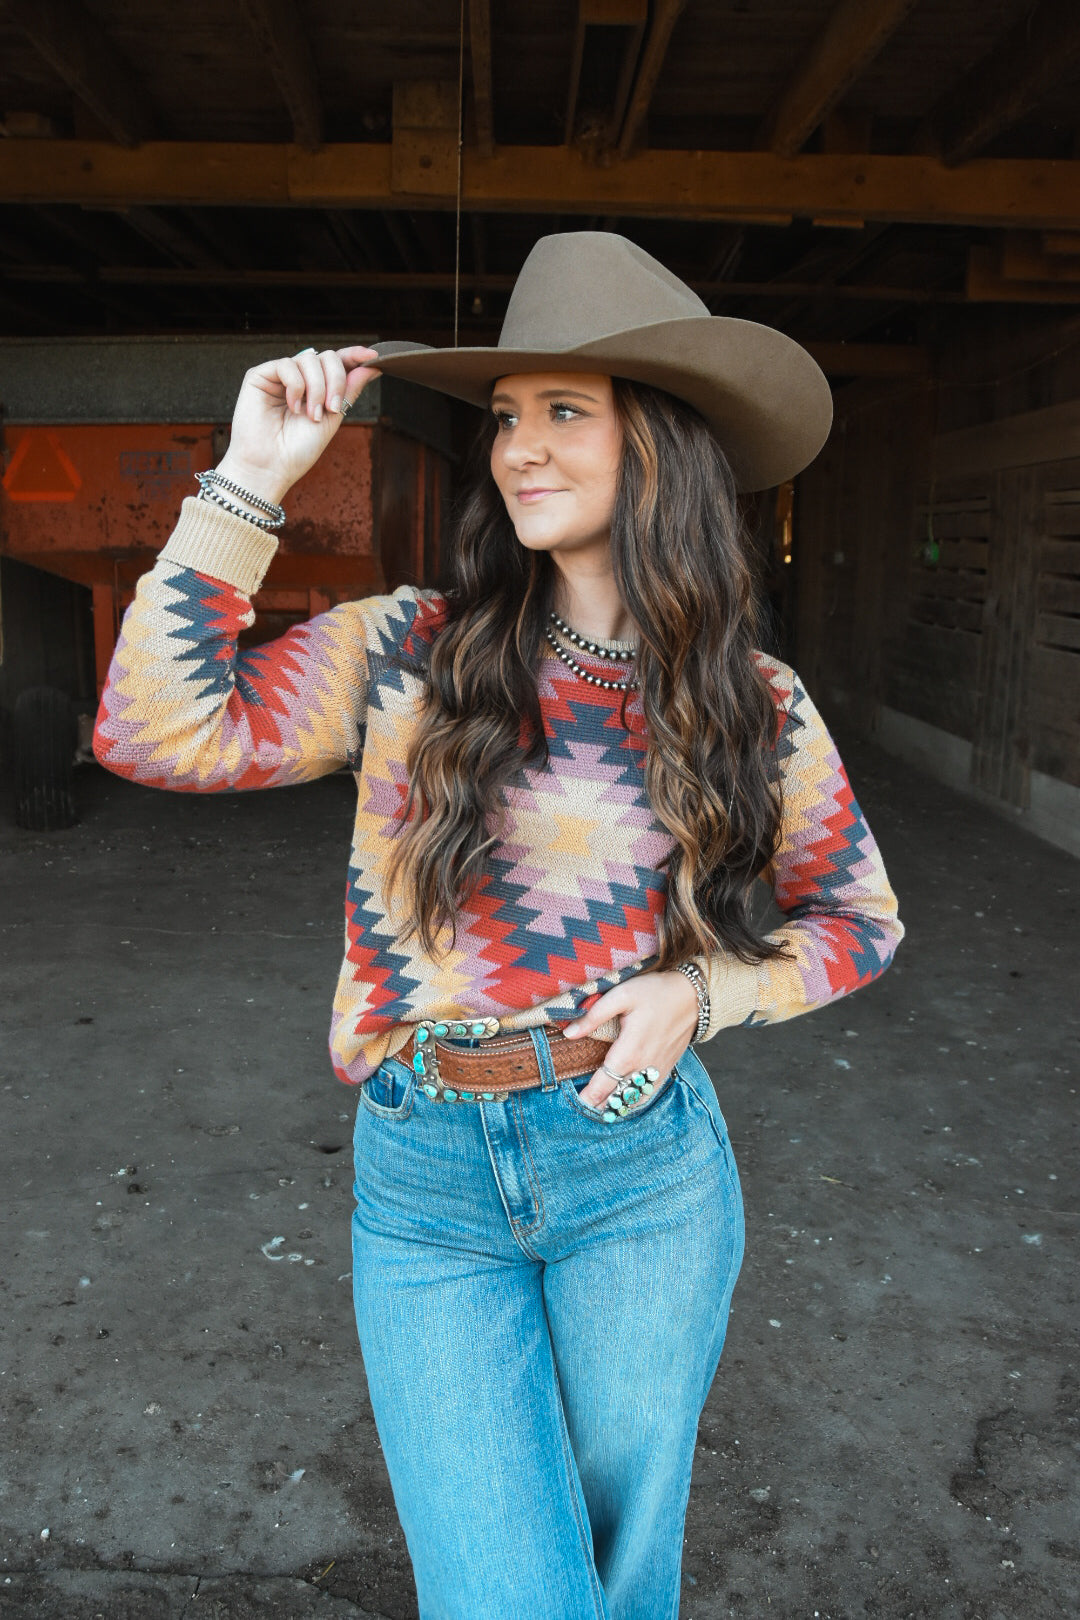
pixel 460 166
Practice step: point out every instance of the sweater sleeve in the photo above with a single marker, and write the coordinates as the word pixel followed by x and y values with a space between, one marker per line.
pixel 184 709
pixel 841 924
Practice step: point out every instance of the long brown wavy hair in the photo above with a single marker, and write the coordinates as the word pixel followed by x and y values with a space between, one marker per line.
pixel 681 562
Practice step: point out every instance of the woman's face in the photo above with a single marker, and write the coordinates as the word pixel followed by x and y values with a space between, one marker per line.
pixel 556 458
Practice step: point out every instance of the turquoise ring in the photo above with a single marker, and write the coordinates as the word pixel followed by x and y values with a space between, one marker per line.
pixel 642 1083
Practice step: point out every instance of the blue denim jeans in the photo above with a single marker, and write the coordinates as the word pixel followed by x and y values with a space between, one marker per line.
pixel 541 1300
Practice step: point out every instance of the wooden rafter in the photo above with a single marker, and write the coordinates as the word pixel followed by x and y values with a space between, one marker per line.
pixel 79 52
pixel 754 186
pixel 1006 85
pixel 285 42
pixel 480 46
pixel 986 283
pixel 666 14
pixel 852 37
pixel 1024 259
pixel 630 17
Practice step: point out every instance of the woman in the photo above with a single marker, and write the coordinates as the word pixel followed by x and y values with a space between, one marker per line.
pixel 571 766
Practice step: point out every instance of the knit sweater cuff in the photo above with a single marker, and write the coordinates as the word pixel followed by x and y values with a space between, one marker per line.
pixel 734 992
pixel 214 542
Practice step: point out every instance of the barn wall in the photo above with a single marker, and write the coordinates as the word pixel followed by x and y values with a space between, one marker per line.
pixel 938 568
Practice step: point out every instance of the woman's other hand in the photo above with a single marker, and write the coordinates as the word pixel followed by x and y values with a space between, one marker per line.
pixel 658 1016
pixel 287 413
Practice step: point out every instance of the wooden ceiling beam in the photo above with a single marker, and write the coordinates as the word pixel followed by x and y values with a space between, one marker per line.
pixel 1007 84
pixel 285 42
pixel 987 284
pixel 848 43
pixel 80 52
pixel 756 187
pixel 1023 259
pixel 666 14
pixel 630 17
pixel 480 46
pixel 1063 242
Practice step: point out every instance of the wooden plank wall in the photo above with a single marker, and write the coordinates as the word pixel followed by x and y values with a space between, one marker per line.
pixel 937 553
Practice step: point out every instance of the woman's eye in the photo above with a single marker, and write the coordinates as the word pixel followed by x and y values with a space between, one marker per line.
pixel 504 419
pixel 570 411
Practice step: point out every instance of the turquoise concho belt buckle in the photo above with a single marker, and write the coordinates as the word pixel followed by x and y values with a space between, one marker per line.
pixel 426 1058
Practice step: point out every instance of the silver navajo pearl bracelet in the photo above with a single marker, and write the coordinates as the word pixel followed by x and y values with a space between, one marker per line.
pixel 210 485
pixel 209 494
pixel 691 971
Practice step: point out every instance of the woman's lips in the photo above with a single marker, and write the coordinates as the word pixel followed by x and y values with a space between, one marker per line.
pixel 528 496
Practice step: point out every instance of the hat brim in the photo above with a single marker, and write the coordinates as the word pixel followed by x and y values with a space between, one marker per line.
pixel 766 400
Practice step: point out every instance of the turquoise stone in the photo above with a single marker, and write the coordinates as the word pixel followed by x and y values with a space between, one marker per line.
pixel 488 1096
pixel 467 1095
pixel 421 1036
pixel 418 1063
pixel 609 1116
pixel 440 1029
pixel 647 1088
pixel 631 1094
pixel 432 1091
pixel 478 1029
pixel 652 1074
pixel 450 1094
pixel 461 1029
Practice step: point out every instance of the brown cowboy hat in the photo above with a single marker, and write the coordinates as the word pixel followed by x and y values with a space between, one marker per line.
pixel 591 301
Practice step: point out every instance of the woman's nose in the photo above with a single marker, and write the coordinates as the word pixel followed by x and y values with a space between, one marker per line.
pixel 523 447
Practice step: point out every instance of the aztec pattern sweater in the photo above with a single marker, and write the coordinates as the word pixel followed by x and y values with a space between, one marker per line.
pixel 571 895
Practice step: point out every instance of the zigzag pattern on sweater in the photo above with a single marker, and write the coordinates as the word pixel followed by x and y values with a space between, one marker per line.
pixel 573 890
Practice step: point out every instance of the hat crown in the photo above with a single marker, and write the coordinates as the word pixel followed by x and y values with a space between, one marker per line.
pixel 578 286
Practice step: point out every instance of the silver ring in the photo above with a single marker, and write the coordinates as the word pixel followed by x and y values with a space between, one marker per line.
pixel 619 1077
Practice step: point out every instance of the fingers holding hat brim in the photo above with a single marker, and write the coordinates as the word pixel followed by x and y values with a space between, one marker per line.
pixel 765 398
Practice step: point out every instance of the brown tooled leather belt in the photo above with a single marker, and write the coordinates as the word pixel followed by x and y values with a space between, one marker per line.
pixel 505 1063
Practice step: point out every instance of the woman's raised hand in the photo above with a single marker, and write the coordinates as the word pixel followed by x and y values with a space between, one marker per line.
pixel 287 413
pixel 658 1016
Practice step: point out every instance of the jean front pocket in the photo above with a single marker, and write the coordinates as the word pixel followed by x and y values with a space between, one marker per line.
pixel 391 1091
pixel 644 1105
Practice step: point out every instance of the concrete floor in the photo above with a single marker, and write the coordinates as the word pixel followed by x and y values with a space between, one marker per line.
pixel 893 1430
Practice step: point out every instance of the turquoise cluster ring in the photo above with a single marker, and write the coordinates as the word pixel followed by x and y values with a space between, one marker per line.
pixel 426 1058
pixel 642 1083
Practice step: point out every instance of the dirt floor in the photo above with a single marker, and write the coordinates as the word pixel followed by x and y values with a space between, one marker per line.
pixel 893 1429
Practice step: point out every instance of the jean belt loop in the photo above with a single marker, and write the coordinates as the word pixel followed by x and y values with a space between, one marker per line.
pixel 542 1048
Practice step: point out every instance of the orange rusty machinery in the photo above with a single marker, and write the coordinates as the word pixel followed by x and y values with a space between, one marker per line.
pixel 101 441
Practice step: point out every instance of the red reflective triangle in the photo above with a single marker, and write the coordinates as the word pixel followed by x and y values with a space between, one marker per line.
pixel 41 469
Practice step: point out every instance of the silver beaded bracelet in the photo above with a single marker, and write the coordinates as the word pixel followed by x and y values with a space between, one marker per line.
pixel 210 485
pixel 691 971
pixel 208 494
